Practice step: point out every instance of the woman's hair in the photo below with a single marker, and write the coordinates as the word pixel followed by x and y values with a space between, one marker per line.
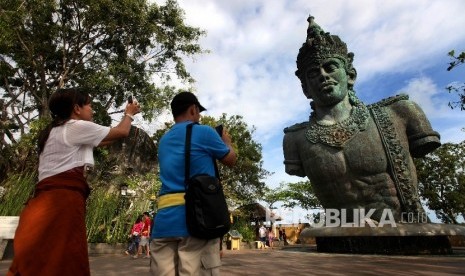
pixel 139 219
pixel 61 105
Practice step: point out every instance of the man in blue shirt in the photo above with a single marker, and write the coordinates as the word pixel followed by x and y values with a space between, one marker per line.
pixel 174 252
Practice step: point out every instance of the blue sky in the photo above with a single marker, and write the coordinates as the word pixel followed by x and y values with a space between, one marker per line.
pixel 400 47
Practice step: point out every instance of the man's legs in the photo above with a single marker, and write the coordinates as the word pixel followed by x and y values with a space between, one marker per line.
pixel 164 257
pixel 199 257
pixel 185 256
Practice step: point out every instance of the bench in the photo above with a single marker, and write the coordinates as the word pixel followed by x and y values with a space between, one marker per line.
pixel 8 225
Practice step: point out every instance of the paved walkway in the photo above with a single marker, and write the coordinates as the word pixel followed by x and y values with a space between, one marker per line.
pixel 292 261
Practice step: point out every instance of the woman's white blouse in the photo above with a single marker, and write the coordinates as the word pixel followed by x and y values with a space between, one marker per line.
pixel 69 146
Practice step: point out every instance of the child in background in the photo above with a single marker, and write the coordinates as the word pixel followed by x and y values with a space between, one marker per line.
pixel 135 236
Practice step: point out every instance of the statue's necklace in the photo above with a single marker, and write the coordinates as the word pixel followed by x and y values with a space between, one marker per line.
pixel 336 135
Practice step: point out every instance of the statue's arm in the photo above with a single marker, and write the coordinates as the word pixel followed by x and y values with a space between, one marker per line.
pixel 292 160
pixel 421 136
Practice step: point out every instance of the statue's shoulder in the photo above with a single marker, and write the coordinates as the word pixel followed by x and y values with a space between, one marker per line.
pixel 397 99
pixel 296 127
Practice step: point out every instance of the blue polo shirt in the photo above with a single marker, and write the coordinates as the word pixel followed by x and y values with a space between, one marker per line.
pixel 205 144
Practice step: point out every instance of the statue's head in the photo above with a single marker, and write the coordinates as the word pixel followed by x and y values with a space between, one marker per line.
pixel 319 46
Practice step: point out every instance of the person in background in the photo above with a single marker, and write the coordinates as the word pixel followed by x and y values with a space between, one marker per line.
pixel 51 234
pixel 262 235
pixel 221 247
pixel 135 234
pixel 270 237
pixel 145 236
pixel 174 251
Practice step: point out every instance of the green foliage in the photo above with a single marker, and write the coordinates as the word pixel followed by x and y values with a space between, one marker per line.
pixel 456 59
pixel 242 182
pixel 456 87
pixel 105 218
pixel 292 195
pixel 21 156
pixel 299 194
pixel 150 181
pixel 441 177
pixel 112 47
pixel 19 188
pixel 244 227
pixel 110 217
pixel 272 196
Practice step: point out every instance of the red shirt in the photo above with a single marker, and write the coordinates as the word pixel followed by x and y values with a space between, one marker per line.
pixel 146 229
pixel 137 227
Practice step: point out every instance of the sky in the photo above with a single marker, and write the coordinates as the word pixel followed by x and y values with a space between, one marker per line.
pixel 400 47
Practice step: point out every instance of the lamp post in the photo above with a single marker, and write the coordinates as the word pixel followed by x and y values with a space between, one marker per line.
pixel 123 189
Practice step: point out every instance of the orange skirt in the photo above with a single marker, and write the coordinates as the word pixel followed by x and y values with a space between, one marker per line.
pixel 51 234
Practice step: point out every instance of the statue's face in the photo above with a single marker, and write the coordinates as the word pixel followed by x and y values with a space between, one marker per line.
pixel 327 84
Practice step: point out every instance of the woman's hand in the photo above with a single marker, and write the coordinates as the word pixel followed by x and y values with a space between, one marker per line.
pixel 123 128
pixel 132 108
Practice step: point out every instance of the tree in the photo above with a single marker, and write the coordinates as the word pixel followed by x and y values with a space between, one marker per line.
pixel 441 178
pixel 113 48
pixel 292 195
pixel 458 88
pixel 300 194
pixel 456 59
pixel 242 183
pixel 272 196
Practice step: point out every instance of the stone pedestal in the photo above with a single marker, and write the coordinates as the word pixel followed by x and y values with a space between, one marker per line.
pixel 402 239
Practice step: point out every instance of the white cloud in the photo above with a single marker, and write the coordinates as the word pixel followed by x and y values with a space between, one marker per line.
pixel 422 90
pixel 254 44
pixel 432 100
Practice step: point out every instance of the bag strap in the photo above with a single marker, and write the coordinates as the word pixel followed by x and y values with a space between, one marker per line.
pixel 187 155
pixel 187 152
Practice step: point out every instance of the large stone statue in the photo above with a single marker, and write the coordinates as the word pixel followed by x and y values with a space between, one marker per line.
pixel 356 156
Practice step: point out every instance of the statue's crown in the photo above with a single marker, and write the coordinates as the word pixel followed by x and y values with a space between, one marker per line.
pixel 318 46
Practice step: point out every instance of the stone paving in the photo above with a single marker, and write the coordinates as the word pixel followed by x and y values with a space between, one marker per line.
pixel 293 261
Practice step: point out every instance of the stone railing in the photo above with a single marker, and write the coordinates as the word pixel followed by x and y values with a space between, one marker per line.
pixel 8 225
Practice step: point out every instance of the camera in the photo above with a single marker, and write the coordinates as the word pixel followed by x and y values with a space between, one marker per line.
pixel 130 99
pixel 219 129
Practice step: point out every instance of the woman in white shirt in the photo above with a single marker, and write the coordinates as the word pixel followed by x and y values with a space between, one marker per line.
pixel 51 235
